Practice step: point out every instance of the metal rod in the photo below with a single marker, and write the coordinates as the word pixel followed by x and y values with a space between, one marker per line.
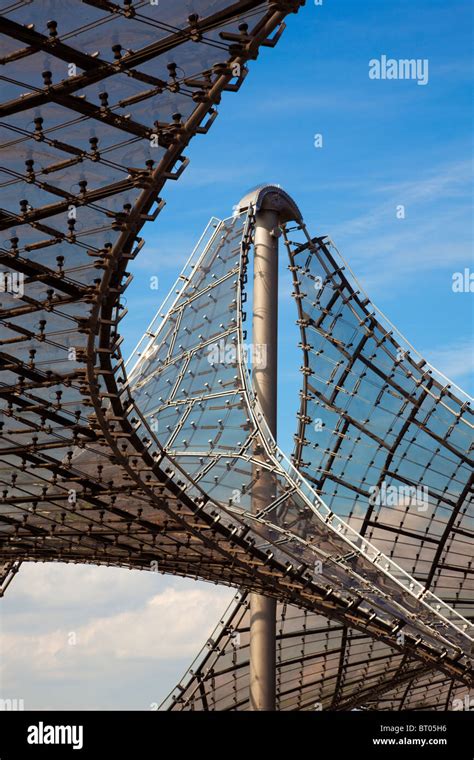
pixel 264 373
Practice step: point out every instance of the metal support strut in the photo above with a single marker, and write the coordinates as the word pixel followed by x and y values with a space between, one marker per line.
pixel 273 207
pixel 265 331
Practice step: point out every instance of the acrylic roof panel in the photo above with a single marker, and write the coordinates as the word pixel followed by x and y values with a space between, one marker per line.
pixel 414 525
pixel 99 103
pixel 320 666
pixel 385 440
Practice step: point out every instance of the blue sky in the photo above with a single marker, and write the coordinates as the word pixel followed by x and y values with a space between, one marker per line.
pixel 385 143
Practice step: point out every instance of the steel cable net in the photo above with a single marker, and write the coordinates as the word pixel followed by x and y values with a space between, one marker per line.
pixel 94 120
pixel 320 665
pixel 99 101
pixel 191 382
pixel 383 437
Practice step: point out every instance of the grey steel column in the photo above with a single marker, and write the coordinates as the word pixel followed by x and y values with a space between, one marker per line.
pixel 265 330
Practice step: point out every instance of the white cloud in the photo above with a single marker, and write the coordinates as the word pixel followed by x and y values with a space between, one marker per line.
pixel 58 585
pixel 447 180
pixel 455 361
pixel 387 253
pixel 171 624
pixel 127 625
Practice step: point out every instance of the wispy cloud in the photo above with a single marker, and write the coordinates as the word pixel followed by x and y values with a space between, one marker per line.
pixel 455 361
pixel 300 102
pixel 65 624
pixel 446 181
pixel 157 630
pixel 435 233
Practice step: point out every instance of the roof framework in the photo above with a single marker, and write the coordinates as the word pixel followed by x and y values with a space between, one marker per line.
pixel 152 468
pixel 388 419
pixel 98 107
pixel 321 665
pixel 191 381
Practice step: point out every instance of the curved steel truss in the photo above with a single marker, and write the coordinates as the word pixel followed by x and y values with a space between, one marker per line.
pixel 320 665
pixel 387 436
pixel 100 101
pixel 155 468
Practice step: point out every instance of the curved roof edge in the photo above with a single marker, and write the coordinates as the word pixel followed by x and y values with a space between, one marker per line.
pixel 271 197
